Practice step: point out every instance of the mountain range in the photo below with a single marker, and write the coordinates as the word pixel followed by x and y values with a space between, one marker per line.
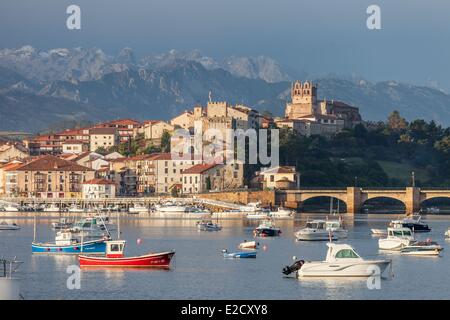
pixel 39 88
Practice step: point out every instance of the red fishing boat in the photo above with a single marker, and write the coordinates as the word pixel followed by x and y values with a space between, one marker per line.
pixel 115 258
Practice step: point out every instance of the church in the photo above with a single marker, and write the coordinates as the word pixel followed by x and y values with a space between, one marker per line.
pixel 309 116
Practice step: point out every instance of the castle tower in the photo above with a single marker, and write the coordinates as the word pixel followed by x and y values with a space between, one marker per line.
pixel 304 100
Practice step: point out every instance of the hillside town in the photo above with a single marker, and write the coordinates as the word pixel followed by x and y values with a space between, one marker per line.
pixel 93 162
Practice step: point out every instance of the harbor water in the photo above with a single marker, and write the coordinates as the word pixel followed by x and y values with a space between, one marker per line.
pixel 199 270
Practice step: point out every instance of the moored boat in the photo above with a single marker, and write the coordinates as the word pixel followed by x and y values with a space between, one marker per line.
pixel 379 232
pixel 341 261
pixel 267 229
pixel 208 226
pixel 138 208
pixel 115 258
pixel 65 243
pixel 321 230
pixel 415 224
pixel 281 213
pixel 248 245
pixel 422 248
pixel 170 207
pixel 239 255
pixel 397 239
pixel 63 223
pixel 8 226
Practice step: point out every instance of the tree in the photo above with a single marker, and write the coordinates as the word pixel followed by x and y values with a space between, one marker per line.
pixel 165 141
pixel 396 122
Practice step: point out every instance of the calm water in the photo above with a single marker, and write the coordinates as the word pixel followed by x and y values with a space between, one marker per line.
pixel 200 272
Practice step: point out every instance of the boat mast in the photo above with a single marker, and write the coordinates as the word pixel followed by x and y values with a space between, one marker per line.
pixel 118 225
pixel 34 228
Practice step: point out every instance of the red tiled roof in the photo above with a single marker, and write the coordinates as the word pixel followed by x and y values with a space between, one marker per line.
pixel 103 130
pixel 99 181
pixel 52 163
pixel 11 166
pixel 199 168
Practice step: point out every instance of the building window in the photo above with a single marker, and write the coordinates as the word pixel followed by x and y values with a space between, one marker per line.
pixel 272 178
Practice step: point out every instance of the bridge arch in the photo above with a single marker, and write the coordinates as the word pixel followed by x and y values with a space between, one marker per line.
pixel 323 204
pixel 436 204
pixel 383 204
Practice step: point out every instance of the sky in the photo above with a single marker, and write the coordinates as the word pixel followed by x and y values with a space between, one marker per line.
pixel 317 36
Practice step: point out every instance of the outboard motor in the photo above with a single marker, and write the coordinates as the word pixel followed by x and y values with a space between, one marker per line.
pixel 293 268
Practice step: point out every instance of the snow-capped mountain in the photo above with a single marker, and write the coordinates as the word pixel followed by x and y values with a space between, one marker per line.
pixel 38 87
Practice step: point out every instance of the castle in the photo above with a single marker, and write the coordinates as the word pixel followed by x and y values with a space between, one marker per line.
pixel 308 115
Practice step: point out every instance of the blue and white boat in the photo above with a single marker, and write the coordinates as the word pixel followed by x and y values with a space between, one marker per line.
pixel 65 243
pixel 246 254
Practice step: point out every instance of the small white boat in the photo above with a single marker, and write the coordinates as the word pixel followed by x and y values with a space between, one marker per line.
pixel 170 207
pixel 341 261
pixel 52 208
pixel 282 213
pixel 63 223
pixel 8 226
pixel 397 239
pixel 248 245
pixel 208 226
pixel 138 208
pixel 11 208
pixel 424 248
pixel 379 232
pixel 322 230
pixel 251 207
pixel 447 234
pixel 258 215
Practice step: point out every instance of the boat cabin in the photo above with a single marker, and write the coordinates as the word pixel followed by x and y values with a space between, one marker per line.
pixel 339 252
pixel 316 224
pixel 115 248
pixel 404 233
pixel 64 238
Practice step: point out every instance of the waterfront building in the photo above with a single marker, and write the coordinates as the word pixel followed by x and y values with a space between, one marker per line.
pixel 49 177
pixel 279 177
pixel 212 177
pixel 8 177
pixel 99 189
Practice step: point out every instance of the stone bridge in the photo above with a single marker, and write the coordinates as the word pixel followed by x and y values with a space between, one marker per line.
pixel 354 197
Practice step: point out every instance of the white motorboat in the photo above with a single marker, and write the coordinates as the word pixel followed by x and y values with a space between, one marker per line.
pixel 11 208
pixel 63 223
pixel 8 226
pixel 282 213
pixel 258 215
pixel 138 208
pixel 447 234
pixel 248 245
pixel 251 207
pixel 341 261
pixel 397 238
pixel 9 285
pixel 424 248
pixel 170 207
pixel 321 230
pixel 52 208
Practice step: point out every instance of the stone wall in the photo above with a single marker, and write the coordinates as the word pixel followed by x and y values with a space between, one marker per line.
pixel 267 197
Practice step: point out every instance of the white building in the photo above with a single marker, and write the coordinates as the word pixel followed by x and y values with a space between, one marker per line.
pixel 99 189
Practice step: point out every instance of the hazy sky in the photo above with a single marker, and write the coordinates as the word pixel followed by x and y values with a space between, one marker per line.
pixel 319 36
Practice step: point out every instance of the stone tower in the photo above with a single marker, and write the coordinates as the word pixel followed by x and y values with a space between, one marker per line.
pixel 304 100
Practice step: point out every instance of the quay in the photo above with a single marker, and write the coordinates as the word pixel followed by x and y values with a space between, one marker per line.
pixel 353 197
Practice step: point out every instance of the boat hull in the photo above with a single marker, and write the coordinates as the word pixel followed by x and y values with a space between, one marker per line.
pixel 154 260
pixel 240 255
pixel 421 250
pixel 267 232
pixel 336 269
pixel 315 236
pixel 9 227
pixel 248 245
pixel 89 247
pixel 393 244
